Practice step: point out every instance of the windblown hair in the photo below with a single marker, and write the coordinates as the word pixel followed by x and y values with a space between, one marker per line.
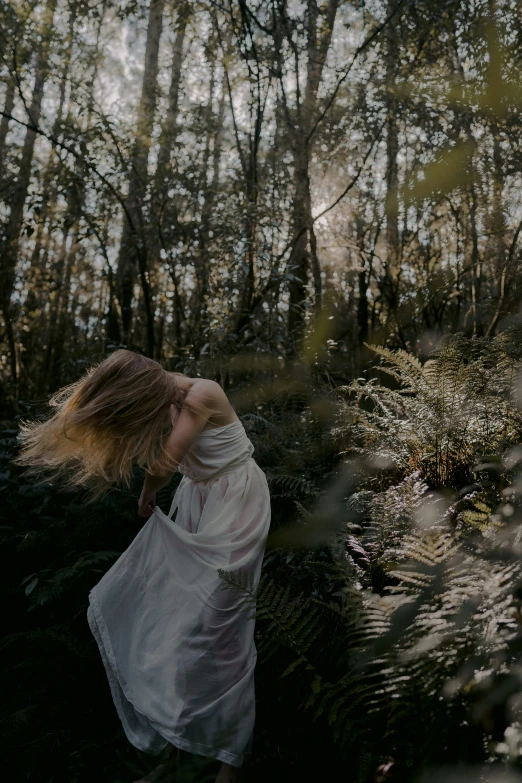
pixel 116 416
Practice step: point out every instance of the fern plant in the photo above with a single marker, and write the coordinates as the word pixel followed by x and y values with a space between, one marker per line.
pixel 318 642
pixel 443 416
pixel 425 610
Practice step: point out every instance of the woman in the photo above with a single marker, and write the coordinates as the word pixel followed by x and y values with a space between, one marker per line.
pixel 177 647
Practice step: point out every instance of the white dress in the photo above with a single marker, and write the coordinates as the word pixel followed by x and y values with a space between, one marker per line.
pixel 179 649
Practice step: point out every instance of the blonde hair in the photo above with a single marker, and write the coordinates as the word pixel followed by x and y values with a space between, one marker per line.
pixel 116 416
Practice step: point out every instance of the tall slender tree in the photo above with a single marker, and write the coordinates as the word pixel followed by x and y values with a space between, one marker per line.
pixel 132 257
pixel 11 241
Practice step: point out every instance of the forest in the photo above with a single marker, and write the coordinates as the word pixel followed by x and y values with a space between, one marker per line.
pixel 318 204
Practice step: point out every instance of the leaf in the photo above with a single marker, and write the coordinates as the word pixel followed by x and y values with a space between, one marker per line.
pixel 447 172
pixel 289 669
pixel 27 579
pixel 30 587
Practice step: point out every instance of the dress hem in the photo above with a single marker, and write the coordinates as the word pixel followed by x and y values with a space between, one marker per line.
pixel 102 638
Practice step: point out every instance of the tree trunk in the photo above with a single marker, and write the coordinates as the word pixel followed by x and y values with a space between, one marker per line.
pixel 299 260
pixel 57 344
pixel 304 250
pixel 210 198
pixel 392 239
pixel 39 270
pixel 9 251
pixel 497 224
pixel 169 131
pixel 472 202
pixel 132 257
pixel 163 173
pixel 4 122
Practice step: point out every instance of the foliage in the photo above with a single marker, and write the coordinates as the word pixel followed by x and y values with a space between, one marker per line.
pixel 411 605
pixel 446 414
pixel 425 615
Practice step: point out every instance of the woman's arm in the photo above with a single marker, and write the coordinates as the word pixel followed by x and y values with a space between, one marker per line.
pixel 187 428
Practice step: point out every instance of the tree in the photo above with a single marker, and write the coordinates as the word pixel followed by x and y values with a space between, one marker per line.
pixel 12 236
pixel 132 257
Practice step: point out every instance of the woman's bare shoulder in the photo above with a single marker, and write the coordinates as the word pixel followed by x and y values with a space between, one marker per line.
pixel 210 393
pixel 205 388
pixel 206 392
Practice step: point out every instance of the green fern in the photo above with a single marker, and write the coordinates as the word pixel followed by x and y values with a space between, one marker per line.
pixel 291 622
pixel 49 584
pixel 425 586
pixel 446 414
pixel 292 484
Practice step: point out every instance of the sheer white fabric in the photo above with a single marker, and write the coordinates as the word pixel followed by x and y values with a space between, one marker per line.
pixel 178 650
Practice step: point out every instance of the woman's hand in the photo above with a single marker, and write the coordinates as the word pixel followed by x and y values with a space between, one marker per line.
pixel 146 503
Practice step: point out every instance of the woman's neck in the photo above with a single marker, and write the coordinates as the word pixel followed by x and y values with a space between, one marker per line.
pixel 184 383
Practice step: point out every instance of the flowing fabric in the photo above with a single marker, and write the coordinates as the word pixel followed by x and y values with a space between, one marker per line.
pixel 179 649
